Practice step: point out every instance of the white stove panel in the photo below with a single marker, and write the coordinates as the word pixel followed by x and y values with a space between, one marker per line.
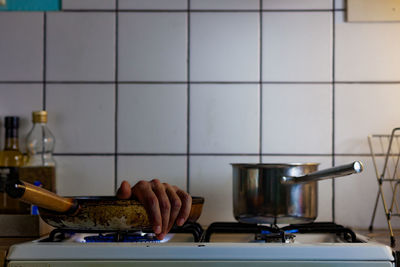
pixel 201 251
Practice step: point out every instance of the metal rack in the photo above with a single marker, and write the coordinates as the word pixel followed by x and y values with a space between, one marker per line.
pixel 389 147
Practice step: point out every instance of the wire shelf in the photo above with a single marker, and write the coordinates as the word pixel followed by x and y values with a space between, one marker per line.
pixel 387 145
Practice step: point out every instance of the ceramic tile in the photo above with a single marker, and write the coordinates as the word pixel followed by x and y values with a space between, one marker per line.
pixel 211 178
pixel 168 169
pixel 88 4
pixel 152 46
pixel 159 127
pixel 224 118
pixel 356 196
pixel 362 110
pixel 85 176
pixel 19 100
pixel 293 121
pixel 153 4
pixel 380 144
pixel 74 49
pixel 21 46
pixel 81 116
pixel 224 46
pixel 324 186
pixel 366 51
pixel 340 4
pixel 296 4
pixel 297 46
pixel 225 4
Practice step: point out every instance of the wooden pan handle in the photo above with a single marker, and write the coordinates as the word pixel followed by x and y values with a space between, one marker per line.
pixel 40 197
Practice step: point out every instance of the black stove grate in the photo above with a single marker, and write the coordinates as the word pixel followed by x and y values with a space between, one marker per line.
pixel 259 230
pixel 59 235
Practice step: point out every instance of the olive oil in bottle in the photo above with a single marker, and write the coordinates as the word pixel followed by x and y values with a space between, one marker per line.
pixel 10 158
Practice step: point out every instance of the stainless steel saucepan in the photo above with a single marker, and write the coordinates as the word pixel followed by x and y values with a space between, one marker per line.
pixel 281 193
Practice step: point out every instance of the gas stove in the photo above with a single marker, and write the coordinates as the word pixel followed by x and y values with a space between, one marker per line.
pixel 221 244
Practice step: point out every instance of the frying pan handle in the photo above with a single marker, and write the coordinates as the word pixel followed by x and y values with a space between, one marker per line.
pixel 343 170
pixel 40 197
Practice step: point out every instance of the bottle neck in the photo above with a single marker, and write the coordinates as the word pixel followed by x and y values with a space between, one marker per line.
pixel 11 140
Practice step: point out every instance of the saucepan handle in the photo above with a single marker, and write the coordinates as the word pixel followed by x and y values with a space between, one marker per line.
pixel 343 170
pixel 40 197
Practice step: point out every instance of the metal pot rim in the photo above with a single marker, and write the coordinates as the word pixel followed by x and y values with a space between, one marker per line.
pixel 273 165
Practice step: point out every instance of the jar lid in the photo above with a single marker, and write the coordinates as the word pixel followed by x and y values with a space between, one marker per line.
pixel 39 116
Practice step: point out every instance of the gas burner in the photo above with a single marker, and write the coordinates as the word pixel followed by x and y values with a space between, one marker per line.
pixel 285 234
pixel 275 237
pixel 133 237
pixel 60 235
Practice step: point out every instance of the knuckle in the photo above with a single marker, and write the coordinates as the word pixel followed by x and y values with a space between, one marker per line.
pixel 155 181
pixel 166 185
pixel 141 184
pixel 176 204
pixel 151 201
pixel 165 205
pixel 186 197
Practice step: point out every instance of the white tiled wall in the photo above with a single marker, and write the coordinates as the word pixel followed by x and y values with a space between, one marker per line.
pixel 178 89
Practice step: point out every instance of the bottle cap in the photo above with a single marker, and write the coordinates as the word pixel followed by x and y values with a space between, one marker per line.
pixel 11 122
pixel 39 116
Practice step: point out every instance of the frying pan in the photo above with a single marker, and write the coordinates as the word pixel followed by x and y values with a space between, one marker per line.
pixel 89 213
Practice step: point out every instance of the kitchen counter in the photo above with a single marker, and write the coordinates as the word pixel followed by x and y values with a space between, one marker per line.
pixel 381 236
pixel 6 242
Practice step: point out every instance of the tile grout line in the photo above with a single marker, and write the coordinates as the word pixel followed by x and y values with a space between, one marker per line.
pixel 116 99
pixel 125 154
pixel 188 101
pixel 196 82
pixel 333 111
pixel 261 79
pixel 196 10
pixel 44 92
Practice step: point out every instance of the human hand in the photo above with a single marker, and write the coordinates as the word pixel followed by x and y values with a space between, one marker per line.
pixel 165 204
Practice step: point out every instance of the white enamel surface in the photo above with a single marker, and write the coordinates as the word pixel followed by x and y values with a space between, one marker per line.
pixel 297 46
pixel 81 117
pixel 21 46
pixel 29 98
pixel 206 251
pixel 297 4
pixel 340 4
pixel 152 46
pixel 362 110
pixel 215 111
pixel 85 176
pixel 225 4
pixel 366 51
pixel 88 4
pixel 168 169
pixel 211 178
pixel 293 122
pixel 153 4
pixel 163 129
pixel 231 50
pixel 74 51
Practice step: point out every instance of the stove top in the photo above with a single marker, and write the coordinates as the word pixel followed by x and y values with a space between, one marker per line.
pixel 325 243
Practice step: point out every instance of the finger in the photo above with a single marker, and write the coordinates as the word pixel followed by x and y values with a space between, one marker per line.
pixel 186 200
pixel 163 200
pixel 176 205
pixel 124 191
pixel 144 193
